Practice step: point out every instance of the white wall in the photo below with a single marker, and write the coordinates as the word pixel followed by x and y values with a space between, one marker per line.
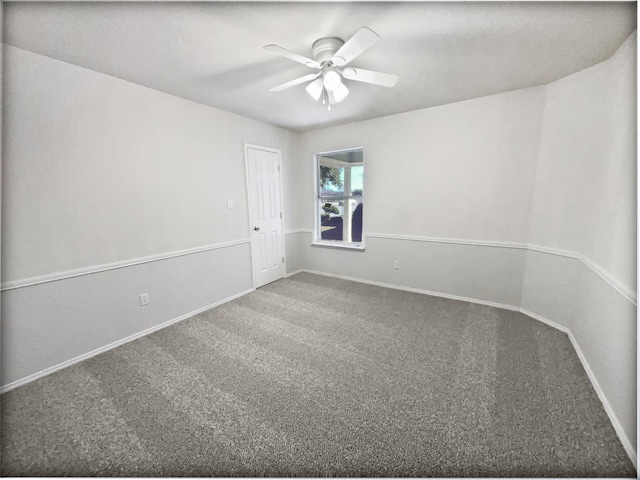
pixel 458 174
pixel 463 170
pixel 585 195
pixel 107 170
pixel 585 204
pixel 100 173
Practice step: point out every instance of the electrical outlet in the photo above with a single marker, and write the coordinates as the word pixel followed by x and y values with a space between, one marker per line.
pixel 396 264
pixel 229 203
pixel 144 299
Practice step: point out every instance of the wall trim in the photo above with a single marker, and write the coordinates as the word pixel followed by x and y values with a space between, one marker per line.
pixel 54 277
pixel 601 395
pixel 542 319
pixel 300 270
pixel 412 289
pixel 457 241
pixel 117 343
pixel 627 445
pixel 616 284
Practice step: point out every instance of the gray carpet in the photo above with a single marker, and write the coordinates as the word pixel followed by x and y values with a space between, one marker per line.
pixel 315 376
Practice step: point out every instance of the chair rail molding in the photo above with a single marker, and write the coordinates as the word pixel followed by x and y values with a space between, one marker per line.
pixel 53 277
pixel 616 284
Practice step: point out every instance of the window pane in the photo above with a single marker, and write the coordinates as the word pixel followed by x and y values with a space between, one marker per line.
pixel 331 181
pixel 331 221
pixel 334 214
pixel 356 220
pixel 340 193
pixel 357 177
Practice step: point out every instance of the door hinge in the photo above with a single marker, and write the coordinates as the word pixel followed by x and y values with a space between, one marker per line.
pixel 280 214
pixel 282 259
pixel 278 167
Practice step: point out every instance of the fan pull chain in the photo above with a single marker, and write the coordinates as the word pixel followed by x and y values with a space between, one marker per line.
pixel 328 102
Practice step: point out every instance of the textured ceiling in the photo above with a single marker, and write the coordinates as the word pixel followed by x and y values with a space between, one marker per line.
pixel 211 52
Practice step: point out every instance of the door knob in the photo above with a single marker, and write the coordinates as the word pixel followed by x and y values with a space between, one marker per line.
pixel 256 228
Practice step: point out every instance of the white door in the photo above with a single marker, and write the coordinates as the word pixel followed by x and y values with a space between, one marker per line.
pixel 265 214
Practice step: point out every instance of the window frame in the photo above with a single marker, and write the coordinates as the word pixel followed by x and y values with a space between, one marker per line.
pixel 317 232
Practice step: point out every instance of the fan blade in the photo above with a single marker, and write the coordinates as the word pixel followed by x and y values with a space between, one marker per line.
pixel 369 76
pixel 292 55
pixel 363 39
pixel 297 81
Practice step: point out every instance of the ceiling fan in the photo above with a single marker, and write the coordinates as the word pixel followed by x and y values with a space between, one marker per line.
pixel 331 57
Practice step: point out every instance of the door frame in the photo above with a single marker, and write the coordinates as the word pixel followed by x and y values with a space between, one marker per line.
pixel 277 151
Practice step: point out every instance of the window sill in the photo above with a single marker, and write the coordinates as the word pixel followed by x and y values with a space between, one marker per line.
pixel 355 247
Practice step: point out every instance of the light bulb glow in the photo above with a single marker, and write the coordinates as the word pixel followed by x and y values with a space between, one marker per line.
pixel 318 89
pixel 315 89
pixel 339 94
pixel 332 80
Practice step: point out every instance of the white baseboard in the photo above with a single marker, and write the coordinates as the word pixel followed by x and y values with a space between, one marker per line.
pixel 291 274
pixel 298 230
pixel 627 292
pixel 627 445
pixel 594 382
pixel 111 346
pixel 415 290
pixel 542 319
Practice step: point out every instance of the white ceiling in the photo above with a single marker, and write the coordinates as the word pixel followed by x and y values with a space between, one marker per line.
pixel 211 52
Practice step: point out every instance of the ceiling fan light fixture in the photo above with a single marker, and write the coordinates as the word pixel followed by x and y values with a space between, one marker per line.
pixel 332 80
pixel 339 94
pixel 331 55
pixel 314 89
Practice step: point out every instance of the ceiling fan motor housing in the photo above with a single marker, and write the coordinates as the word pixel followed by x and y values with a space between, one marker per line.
pixel 324 48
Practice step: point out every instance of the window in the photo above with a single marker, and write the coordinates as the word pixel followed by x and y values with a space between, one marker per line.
pixel 339 198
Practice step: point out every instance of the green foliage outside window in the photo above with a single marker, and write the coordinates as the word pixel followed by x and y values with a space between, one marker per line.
pixel 328 208
pixel 330 175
